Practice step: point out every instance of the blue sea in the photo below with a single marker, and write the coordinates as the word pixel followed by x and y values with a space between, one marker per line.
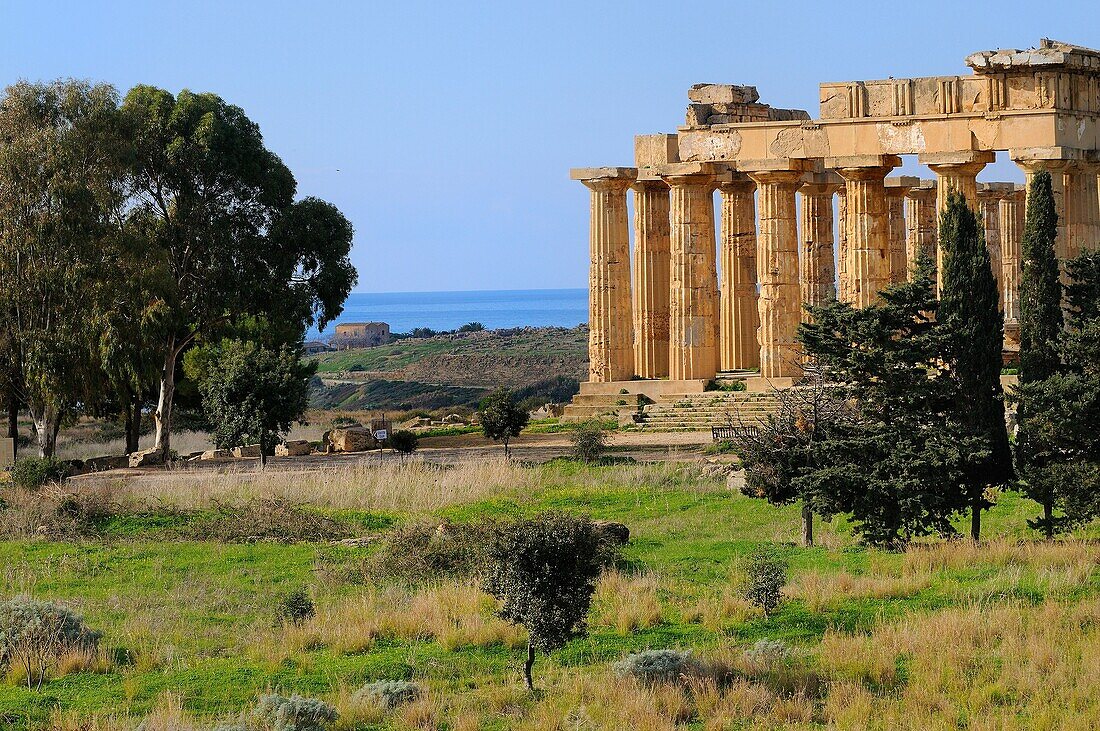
pixel 450 310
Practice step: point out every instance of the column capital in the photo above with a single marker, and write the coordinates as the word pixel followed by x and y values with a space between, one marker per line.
pixel 867 162
pixel 605 179
pixel 962 157
pixel 1018 194
pixel 655 185
pixel 776 170
pixel 691 173
pixel 820 189
pixel 926 190
pixel 737 184
pixel 994 191
pixel 897 186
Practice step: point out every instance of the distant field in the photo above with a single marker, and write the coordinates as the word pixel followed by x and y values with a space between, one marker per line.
pixel 1005 635
pixel 447 371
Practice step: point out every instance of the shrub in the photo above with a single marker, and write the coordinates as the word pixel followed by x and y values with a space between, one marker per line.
pixel 295 608
pixel 34 635
pixel 589 441
pixel 765 577
pixel 389 693
pixel 278 713
pixel 768 654
pixel 404 441
pixel 266 519
pixel 658 666
pixel 32 473
pixel 425 552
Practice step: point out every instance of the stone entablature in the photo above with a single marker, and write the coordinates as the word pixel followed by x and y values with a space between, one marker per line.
pixel 777 173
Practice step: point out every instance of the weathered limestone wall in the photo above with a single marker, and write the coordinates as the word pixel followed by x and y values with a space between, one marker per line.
pixel 740 315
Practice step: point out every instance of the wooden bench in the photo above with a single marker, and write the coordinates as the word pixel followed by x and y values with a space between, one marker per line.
pixel 733 433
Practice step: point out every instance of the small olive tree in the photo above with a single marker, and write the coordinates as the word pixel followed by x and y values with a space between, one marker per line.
pixel 501 417
pixel 404 442
pixel 765 577
pixel 544 571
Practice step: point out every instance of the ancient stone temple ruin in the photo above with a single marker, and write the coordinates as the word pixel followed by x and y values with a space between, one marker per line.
pixel 688 308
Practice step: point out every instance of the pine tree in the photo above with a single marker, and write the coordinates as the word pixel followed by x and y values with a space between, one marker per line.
pixel 1040 289
pixel 974 329
pixel 897 462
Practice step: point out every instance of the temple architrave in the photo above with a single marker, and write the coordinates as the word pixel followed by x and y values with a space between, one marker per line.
pixel 693 304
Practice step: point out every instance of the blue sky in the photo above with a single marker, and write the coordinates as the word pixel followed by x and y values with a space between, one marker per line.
pixel 445 131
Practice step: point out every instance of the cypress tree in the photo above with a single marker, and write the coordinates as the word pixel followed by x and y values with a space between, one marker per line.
pixel 1040 290
pixel 974 328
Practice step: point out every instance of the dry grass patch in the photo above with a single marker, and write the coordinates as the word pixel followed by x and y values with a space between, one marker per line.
pixel 963 554
pixel 453 614
pixel 627 602
pixel 821 590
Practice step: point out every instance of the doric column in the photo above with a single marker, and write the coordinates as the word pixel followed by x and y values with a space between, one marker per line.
pixel 777 233
pixel 817 271
pixel 1081 207
pixel 1032 165
pixel 957 172
pixel 693 299
pixel 1011 210
pixel 610 326
pixel 651 278
pixel 921 225
pixel 843 272
pixel 867 222
pixel 989 196
pixel 740 314
pixel 896 188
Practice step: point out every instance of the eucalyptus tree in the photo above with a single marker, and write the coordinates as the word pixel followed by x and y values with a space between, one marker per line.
pixel 59 181
pixel 218 209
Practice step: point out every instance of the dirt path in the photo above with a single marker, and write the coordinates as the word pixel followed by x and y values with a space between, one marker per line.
pixel 644 447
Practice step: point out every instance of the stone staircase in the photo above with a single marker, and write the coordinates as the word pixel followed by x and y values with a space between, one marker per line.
pixel 701 411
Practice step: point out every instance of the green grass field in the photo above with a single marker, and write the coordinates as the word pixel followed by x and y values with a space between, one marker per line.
pixel 1004 635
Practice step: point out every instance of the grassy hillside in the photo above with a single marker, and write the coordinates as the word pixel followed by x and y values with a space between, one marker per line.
pixel 950 635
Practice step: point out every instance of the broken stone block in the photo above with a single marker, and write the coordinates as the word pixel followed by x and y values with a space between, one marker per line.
pixel 352 439
pixel 248 451
pixel 293 448
pixel 697 114
pixel 216 454
pixel 146 458
pixel 107 462
pixel 723 94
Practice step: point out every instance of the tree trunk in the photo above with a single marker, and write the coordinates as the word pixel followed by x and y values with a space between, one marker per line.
pixel 47 423
pixel 263 451
pixel 13 424
pixel 132 414
pixel 807 526
pixel 528 664
pixel 976 521
pixel 164 401
pixel 506 453
pixel 1048 518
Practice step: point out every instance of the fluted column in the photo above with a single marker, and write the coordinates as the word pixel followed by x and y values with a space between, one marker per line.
pixel 780 354
pixel 896 188
pixel 740 314
pixel 817 272
pixel 610 326
pixel 1081 207
pixel 867 224
pixel 989 196
pixel 651 278
pixel 693 277
pixel 922 228
pixel 1011 211
pixel 843 271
